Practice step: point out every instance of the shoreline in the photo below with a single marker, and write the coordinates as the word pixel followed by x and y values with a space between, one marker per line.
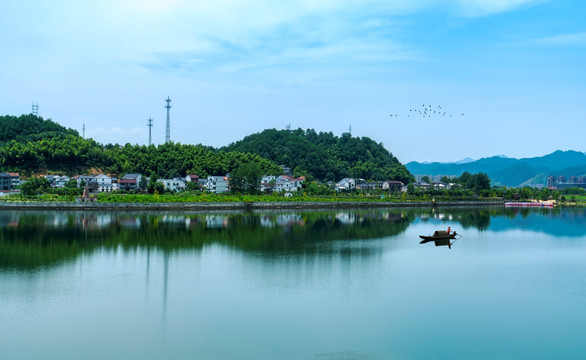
pixel 285 205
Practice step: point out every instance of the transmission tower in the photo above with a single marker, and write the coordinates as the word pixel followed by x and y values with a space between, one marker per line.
pixel 150 125
pixel 168 131
pixel 83 131
pixel 36 109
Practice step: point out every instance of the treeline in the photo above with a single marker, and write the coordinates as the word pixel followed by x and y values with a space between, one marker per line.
pixel 324 156
pixel 31 145
pixel 58 150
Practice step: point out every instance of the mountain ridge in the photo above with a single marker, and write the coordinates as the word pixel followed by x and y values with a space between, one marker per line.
pixel 511 171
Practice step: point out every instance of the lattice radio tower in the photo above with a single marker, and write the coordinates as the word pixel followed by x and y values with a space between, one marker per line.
pixel 36 109
pixel 150 125
pixel 168 131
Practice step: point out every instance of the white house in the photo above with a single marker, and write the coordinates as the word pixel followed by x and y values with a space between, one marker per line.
pixel 392 185
pixel 217 184
pixel 104 183
pixel 176 184
pixel 85 179
pixel 346 184
pixel 191 178
pixel 288 183
pixel 267 183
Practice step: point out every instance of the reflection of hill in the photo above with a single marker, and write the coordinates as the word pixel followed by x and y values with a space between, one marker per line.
pixel 473 217
pixel 29 240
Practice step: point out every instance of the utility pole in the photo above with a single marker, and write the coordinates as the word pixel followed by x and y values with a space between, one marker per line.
pixel 168 131
pixel 150 125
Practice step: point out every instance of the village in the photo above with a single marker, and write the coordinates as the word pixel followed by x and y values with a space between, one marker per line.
pixel 285 184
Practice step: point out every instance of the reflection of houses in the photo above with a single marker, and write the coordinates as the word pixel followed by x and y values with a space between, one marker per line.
pixel 289 219
pixel 282 220
pixel 132 222
pixel 346 218
pixel 216 221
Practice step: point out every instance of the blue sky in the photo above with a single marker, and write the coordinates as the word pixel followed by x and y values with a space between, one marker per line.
pixel 514 69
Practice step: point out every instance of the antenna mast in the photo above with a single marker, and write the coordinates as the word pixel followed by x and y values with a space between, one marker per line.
pixel 83 131
pixel 168 132
pixel 150 125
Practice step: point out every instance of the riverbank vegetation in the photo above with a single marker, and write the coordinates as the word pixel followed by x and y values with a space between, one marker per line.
pixel 312 192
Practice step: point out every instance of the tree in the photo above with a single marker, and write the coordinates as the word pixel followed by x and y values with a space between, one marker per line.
pixel 245 179
pixel 410 189
pixel 35 185
pixel 71 184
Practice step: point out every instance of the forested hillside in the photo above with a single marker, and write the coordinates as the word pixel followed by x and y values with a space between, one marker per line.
pixel 30 128
pixel 30 145
pixel 323 155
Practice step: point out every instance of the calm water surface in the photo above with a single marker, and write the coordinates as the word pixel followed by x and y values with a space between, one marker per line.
pixel 293 285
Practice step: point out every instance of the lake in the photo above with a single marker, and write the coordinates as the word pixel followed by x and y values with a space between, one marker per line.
pixel 293 285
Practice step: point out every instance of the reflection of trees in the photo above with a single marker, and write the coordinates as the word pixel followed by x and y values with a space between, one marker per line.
pixel 476 217
pixel 473 217
pixel 30 240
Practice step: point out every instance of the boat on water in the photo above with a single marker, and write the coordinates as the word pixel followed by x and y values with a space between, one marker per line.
pixel 439 235
pixel 441 238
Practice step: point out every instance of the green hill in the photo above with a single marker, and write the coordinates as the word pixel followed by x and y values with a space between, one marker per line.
pixel 30 128
pixel 323 155
pixel 31 145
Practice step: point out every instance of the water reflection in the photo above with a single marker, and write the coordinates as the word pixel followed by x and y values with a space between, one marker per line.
pixel 31 240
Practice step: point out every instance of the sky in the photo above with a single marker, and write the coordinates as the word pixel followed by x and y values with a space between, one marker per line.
pixel 511 73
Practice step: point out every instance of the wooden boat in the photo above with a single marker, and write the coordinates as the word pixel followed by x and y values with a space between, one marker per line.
pixel 439 235
pixel 441 238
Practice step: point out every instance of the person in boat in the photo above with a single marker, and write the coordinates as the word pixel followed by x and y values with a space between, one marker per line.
pixel 449 230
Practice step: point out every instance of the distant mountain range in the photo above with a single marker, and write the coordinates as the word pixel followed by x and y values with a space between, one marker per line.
pixel 509 171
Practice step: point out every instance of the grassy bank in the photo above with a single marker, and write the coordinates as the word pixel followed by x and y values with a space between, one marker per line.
pixel 197 197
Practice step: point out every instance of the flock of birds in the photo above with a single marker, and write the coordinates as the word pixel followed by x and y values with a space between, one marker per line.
pixel 428 111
